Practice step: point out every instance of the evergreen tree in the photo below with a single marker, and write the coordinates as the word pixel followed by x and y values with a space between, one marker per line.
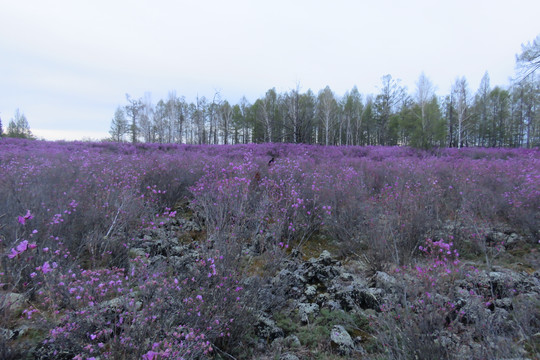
pixel 390 97
pixel 18 127
pixel 119 125
pixel 499 100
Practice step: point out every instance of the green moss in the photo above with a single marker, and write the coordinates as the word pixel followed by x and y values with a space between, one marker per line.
pixel 352 322
pixel 316 244
pixel 286 323
pixel 315 335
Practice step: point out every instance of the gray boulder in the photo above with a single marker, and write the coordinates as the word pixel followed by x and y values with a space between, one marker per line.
pixel 386 282
pixel 288 356
pixel 12 301
pixel 356 296
pixel 341 340
pixel 307 311
pixel 267 329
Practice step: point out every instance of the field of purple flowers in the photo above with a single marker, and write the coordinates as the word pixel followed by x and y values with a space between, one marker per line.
pixel 121 251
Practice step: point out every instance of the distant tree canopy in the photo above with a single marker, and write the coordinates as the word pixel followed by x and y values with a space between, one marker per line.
pixel 493 117
pixel 18 127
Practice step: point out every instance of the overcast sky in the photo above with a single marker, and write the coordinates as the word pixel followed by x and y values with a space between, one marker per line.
pixel 68 64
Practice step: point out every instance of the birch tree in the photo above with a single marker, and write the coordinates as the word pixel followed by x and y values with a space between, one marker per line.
pixel 160 123
pixel 461 96
pixel 226 119
pixel 352 111
pixel 174 118
pixel 246 113
pixel 291 110
pixel 326 110
pixel 429 116
pixel 266 113
pixel 306 117
pixel 485 127
pixel 146 119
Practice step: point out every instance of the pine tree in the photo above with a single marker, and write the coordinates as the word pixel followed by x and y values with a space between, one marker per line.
pixel 119 126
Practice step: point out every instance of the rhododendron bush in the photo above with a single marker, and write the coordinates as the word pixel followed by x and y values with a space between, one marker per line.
pixel 72 213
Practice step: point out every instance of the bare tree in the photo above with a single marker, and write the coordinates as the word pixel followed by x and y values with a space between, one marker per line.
pixel 133 110
pixel 352 112
pixel 266 114
pixel 484 128
pixel 290 103
pixel 213 119
pixel 199 118
pixel 327 111
pixel 226 116
pixel 146 119
pixel 462 98
pixel 176 114
pixel 529 60
pixel 425 93
pixel 244 109
pixel 307 105
pixel 160 122
pixel 171 116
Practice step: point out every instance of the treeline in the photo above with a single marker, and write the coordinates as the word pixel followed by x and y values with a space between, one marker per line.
pixel 492 116
pixel 18 127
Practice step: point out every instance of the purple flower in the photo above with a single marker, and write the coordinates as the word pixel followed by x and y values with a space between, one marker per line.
pixel 22 246
pixel 150 355
pixel 46 267
pixel 28 216
pixel 13 254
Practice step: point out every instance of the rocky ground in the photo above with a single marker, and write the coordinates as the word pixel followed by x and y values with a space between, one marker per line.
pixel 325 307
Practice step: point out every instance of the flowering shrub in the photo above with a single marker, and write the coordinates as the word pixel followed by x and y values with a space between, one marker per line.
pixel 71 212
pixel 141 314
pixel 435 317
pixel 246 199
